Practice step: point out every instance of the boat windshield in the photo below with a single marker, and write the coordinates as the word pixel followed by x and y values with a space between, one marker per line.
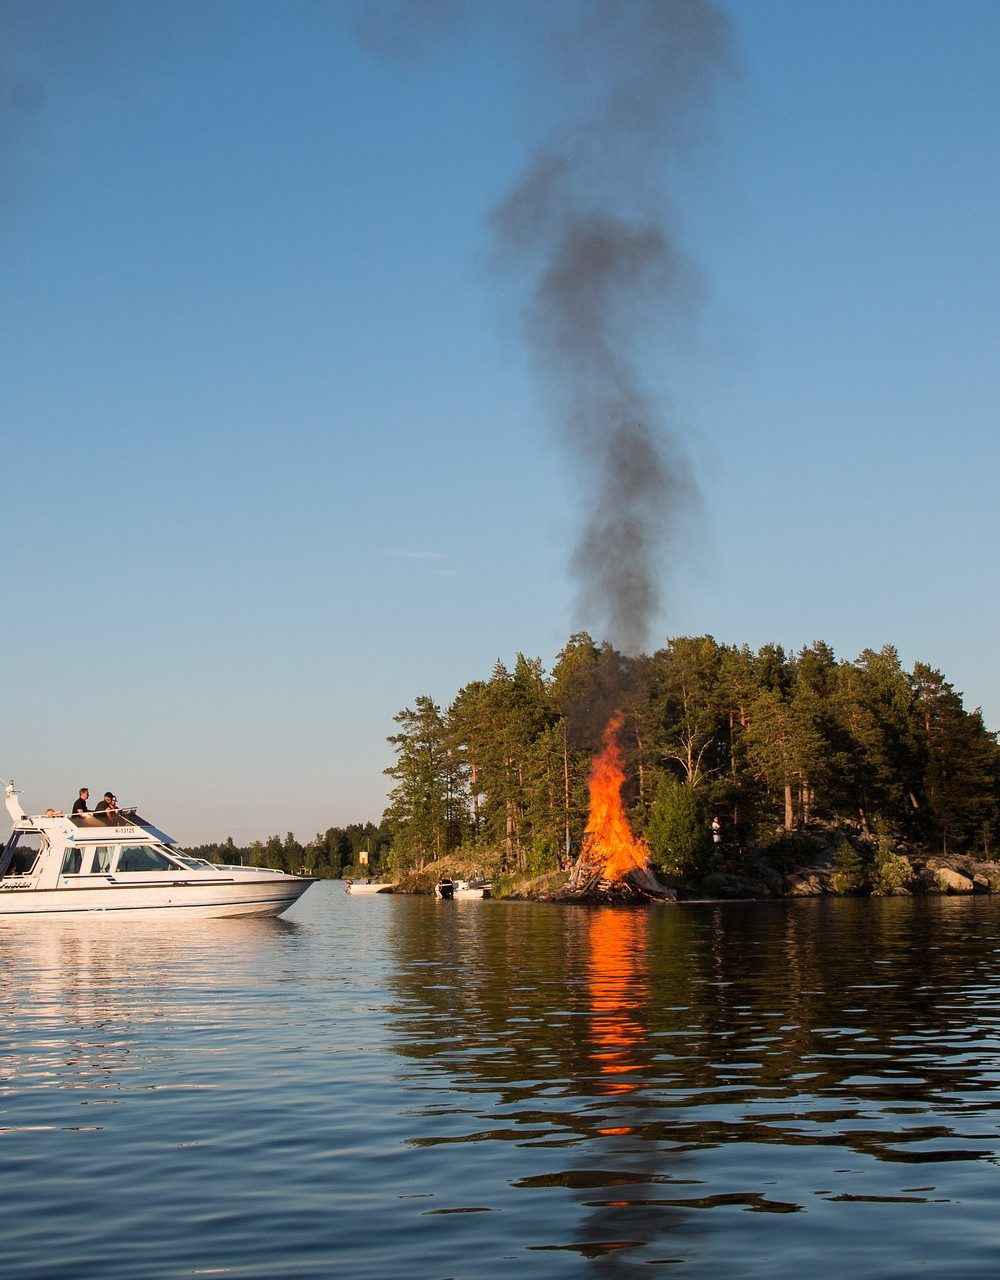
pixel 197 864
pixel 21 853
pixel 109 818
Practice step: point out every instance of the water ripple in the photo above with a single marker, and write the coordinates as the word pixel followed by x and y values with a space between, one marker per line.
pixel 376 1086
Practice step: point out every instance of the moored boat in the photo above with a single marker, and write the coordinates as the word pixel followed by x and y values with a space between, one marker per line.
pixel 368 886
pixel 83 863
pixel 445 889
pixel 469 889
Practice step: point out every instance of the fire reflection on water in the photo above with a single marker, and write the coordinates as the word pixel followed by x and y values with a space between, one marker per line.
pixel 618 984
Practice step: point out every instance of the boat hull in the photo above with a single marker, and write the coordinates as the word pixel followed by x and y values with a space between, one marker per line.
pixel 190 900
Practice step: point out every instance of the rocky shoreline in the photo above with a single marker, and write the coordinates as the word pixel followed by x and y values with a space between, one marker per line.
pixel 921 875
pixel 836 864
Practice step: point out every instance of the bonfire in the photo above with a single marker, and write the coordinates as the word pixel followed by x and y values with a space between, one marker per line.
pixel 614 864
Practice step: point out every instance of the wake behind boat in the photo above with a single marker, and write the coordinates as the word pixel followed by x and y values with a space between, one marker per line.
pixel 81 863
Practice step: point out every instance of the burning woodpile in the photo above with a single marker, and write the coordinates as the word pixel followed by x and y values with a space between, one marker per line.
pixel 614 865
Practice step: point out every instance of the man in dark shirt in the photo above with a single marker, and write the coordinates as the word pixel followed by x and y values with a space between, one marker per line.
pixel 80 803
pixel 108 804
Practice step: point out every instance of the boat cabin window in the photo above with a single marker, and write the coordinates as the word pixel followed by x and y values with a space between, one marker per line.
pixel 72 862
pixel 100 864
pixel 21 854
pixel 138 857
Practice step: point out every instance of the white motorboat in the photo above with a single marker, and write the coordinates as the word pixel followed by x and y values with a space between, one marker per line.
pixel 75 864
pixel 368 886
pixel 466 889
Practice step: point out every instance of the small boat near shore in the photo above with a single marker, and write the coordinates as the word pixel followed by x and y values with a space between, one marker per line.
pixel 471 889
pixel 57 864
pixel 462 890
pixel 368 886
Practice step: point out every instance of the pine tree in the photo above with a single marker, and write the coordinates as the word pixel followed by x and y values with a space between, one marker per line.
pixel 961 763
pixel 586 685
pixel 676 831
pixel 425 804
pixel 784 745
pixel 689 713
pixel 889 872
pixel 849 869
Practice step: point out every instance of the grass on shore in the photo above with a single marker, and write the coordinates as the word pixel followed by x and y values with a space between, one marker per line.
pixel 455 867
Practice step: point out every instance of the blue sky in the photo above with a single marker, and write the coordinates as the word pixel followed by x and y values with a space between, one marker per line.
pixel 275 458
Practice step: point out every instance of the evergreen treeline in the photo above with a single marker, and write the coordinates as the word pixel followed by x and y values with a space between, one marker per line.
pixel 329 853
pixel 767 741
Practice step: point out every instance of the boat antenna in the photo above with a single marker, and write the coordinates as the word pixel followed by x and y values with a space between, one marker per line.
pixel 12 802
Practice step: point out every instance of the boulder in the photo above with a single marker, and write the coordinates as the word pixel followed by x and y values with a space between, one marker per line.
pixel 804 882
pixel 945 879
pixel 772 880
pixel 724 884
pixel 988 871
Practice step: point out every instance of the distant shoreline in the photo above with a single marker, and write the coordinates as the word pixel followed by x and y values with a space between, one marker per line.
pixel 919 875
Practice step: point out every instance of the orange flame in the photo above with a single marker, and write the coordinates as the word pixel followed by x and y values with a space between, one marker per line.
pixel 608 841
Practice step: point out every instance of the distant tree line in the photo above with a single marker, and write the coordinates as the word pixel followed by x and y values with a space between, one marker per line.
pixel 768 741
pixel 330 853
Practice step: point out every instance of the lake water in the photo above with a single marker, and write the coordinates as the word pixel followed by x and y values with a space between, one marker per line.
pixel 384 1086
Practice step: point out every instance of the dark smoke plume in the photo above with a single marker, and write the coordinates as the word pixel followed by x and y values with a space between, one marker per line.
pixel 589 220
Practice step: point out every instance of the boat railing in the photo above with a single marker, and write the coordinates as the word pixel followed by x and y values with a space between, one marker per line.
pixel 122 816
pixel 236 866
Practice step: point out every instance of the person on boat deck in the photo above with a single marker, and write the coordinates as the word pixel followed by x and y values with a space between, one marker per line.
pixel 108 804
pixel 80 803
